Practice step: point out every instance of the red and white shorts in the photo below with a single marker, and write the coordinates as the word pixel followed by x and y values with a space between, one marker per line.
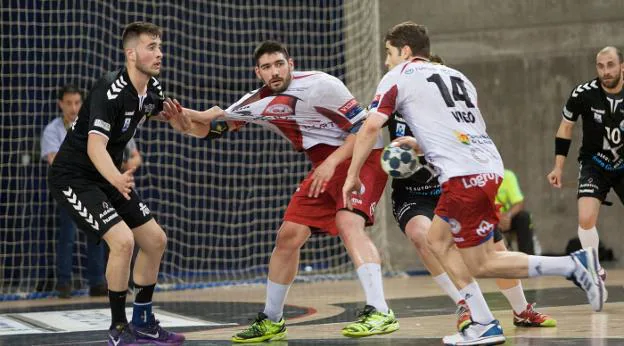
pixel 468 204
pixel 320 213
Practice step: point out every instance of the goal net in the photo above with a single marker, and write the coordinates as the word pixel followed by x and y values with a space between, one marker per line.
pixel 220 201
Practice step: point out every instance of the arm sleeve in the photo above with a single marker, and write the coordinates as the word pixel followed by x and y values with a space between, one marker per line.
pixel 573 107
pixel 336 103
pixel 103 111
pixel 385 100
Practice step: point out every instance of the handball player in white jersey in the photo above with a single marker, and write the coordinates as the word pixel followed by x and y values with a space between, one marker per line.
pixel 318 115
pixel 440 106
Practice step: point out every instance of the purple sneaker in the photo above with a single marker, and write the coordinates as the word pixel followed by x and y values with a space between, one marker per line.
pixel 121 335
pixel 154 334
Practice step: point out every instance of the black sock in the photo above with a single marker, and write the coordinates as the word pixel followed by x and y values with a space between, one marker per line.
pixel 143 294
pixel 118 307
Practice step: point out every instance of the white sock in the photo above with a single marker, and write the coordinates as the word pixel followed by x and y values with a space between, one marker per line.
pixel 275 299
pixel 370 278
pixel 515 297
pixel 545 265
pixel 444 281
pixel 589 237
pixel 479 309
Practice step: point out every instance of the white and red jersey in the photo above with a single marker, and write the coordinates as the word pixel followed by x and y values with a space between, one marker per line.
pixel 317 108
pixel 439 105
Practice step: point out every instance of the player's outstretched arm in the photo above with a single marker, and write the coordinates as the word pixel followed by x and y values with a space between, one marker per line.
pixel 364 142
pixel 96 149
pixel 562 146
pixel 199 123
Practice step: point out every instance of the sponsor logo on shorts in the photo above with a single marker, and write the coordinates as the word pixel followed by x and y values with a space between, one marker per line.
pixel 108 214
pixel 455 226
pixel 355 201
pixel 484 228
pixel 144 209
pixel 101 124
pixel 479 180
pixel 129 113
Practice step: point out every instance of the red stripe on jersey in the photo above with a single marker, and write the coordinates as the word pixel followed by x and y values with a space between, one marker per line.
pixel 388 101
pixel 337 118
pixel 284 105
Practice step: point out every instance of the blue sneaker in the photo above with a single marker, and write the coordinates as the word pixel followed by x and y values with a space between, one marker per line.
pixel 586 276
pixel 154 334
pixel 477 334
pixel 121 335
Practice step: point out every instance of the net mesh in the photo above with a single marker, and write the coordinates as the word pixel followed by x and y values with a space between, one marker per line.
pixel 219 201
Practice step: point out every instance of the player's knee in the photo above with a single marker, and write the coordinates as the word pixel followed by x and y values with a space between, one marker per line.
pixel 122 245
pixel 523 216
pixel 290 237
pixel 587 221
pixel 418 236
pixel 159 242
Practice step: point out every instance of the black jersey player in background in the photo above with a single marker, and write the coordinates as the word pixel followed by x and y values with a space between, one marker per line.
pixel 599 102
pixel 85 178
pixel 413 201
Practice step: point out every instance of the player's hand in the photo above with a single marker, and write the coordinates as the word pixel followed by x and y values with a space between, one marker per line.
pixel 321 176
pixel 174 112
pixel 125 182
pixel 504 223
pixel 352 185
pixel 554 177
pixel 406 141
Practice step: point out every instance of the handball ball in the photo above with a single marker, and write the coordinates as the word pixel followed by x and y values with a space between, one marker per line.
pixel 399 162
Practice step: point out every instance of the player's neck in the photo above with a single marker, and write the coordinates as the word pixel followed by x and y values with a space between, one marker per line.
pixel 138 79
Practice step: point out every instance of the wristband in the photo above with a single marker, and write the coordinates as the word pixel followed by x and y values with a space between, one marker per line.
pixel 217 129
pixel 562 146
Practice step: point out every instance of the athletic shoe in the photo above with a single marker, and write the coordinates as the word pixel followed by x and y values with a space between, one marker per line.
pixel 154 334
pixel 463 315
pixel 262 329
pixel 603 275
pixel 371 322
pixel 477 334
pixel 586 277
pixel 531 318
pixel 121 335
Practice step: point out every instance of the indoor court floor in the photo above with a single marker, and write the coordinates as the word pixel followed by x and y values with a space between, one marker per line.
pixel 316 312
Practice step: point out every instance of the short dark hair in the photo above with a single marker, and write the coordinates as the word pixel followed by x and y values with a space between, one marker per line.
pixel 134 30
pixel 412 35
pixel 269 47
pixel 69 89
pixel 436 58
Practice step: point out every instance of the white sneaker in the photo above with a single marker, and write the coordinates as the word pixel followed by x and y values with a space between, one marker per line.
pixel 477 334
pixel 586 276
pixel 603 275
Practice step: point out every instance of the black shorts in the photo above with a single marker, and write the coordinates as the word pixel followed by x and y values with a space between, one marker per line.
pixel 96 206
pixel 596 182
pixel 405 207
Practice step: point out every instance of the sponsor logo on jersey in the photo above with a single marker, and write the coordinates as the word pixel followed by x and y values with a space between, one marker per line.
pixel 598 114
pixel 375 101
pixel 484 228
pixel 278 109
pixel 462 137
pixel 102 124
pixel 409 71
pixel 126 124
pixel 400 130
pixel 129 113
pixel 351 109
pixel 148 108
